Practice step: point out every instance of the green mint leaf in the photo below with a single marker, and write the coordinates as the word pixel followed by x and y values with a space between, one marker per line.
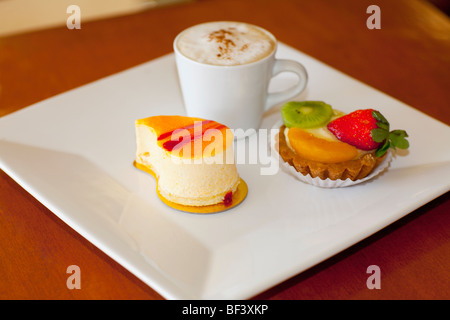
pixel 403 144
pixel 382 149
pixel 401 133
pixel 379 134
pixel 383 126
pixel 398 140
pixel 379 117
pixel 393 139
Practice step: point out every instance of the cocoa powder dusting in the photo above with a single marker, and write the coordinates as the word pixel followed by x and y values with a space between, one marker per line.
pixel 244 47
pixel 219 36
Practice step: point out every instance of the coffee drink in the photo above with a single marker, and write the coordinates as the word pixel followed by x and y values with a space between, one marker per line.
pixel 224 70
pixel 225 43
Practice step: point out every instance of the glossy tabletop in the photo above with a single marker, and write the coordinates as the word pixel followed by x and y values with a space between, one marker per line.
pixel 407 58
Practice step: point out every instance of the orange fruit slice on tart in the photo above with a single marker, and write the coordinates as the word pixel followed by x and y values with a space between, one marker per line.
pixel 311 147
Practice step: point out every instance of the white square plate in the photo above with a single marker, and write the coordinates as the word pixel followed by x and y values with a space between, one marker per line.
pixel 74 153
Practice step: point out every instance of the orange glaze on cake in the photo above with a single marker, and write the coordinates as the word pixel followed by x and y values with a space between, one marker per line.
pixel 189 137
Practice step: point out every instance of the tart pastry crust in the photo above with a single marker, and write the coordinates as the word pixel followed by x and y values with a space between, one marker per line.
pixel 353 169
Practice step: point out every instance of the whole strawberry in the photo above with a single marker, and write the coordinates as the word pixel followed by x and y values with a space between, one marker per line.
pixel 368 129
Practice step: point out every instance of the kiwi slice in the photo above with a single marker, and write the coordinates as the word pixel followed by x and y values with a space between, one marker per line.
pixel 306 114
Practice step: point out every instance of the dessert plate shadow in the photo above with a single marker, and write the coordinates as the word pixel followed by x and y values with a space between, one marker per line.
pixel 74 153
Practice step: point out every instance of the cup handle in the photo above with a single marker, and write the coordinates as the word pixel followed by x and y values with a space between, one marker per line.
pixel 282 65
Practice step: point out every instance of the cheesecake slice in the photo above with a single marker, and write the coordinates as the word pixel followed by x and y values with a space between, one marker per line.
pixel 191 158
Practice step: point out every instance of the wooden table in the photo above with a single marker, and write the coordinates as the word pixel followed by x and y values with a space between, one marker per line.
pixel 408 58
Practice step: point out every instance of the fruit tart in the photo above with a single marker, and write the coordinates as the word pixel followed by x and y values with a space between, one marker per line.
pixel 326 144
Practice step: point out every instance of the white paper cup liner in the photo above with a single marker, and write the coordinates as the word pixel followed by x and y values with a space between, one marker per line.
pixel 327 183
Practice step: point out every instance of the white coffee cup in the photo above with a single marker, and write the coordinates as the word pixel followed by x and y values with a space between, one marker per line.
pixel 235 94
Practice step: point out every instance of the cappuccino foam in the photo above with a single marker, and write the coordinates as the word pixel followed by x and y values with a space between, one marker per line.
pixel 225 43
